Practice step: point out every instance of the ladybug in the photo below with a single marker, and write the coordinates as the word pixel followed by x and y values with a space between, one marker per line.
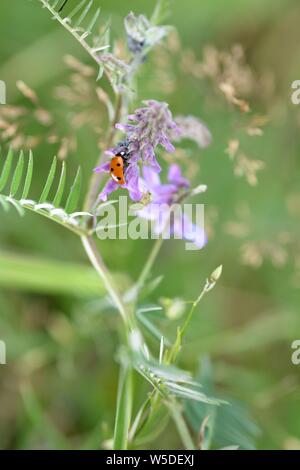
pixel 117 166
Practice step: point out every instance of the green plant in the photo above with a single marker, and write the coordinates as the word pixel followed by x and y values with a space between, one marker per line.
pixel 171 386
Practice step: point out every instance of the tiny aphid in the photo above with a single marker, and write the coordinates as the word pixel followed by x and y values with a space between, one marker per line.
pixel 117 165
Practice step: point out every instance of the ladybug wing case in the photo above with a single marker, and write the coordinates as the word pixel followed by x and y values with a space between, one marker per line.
pixel 117 170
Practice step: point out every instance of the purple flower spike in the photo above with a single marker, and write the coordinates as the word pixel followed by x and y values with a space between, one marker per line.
pixel 151 126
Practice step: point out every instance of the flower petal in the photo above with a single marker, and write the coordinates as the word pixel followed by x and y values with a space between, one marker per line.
pixel 191 232
pixel 132 182
pixel 175 177
pixel 151 177
pixel 104 168
pixel 110 187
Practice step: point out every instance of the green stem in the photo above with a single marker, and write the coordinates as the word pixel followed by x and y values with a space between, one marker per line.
pixel 191 313
pixel 124 409
pixel 181 426
pixel 149 263
pixel 98 263
pixel 174 351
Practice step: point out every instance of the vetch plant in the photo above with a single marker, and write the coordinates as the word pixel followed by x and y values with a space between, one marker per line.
pixel 137 135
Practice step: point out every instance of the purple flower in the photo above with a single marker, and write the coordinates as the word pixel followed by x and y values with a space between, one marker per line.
pixel 150 126
pixel 164 196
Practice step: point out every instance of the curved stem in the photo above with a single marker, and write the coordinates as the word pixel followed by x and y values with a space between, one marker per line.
pixel 98 263
pixel 149 263
pixel 181 426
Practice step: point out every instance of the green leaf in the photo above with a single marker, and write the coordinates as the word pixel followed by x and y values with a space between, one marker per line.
pixel 74 193
pixel 61 186
pixel 47 276
pixel 93 21
pixel 4 203
pixel 49 182
pixel 17 175
pixel 28 176
pixel 6 169
pixel 84 13
pixel 48 210
pixel 92 43
pixel 151 328
pixel 227 425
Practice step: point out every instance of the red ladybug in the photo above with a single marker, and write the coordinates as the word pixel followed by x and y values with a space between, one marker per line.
pixel 117 168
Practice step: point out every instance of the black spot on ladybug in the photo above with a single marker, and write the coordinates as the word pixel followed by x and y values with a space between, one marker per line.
pixel 111 169
pixel 118 164
pixel 119 178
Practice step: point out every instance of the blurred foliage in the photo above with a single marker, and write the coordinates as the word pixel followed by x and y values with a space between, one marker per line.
pixel 59 386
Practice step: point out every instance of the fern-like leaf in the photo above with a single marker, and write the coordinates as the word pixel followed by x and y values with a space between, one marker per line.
pixel 82 23
pixel 11 185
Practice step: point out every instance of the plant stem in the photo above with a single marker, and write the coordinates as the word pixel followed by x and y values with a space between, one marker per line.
pixel 98 263
pixel 191 313
pixel 182 428
pixel 149 263
pixel 124 408
pixel 175 349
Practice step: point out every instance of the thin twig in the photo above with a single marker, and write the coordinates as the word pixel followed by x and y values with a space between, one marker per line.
pixel 149 263
pixel 181 426
pixel 98 263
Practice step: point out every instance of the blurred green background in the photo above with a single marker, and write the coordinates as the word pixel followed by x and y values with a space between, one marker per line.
pixel 58 388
